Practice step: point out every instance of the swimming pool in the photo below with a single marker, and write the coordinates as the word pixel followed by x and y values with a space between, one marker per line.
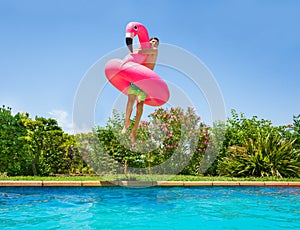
pixel 149 208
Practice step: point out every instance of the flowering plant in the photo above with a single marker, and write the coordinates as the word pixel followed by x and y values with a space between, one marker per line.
pixel 172 141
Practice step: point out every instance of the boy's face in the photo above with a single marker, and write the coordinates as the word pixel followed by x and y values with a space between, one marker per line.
pixel 154 43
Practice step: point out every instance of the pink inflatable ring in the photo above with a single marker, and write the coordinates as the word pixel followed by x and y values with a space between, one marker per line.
pixel 121 73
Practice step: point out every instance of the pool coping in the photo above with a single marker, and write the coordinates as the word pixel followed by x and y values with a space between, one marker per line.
pixel 145 183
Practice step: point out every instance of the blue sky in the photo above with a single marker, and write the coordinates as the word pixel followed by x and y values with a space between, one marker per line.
pixel 252 48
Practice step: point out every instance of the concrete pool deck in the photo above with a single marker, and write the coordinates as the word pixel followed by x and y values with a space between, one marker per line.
pixel 145 183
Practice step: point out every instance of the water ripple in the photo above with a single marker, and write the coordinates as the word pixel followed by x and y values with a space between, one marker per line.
pixel 154 208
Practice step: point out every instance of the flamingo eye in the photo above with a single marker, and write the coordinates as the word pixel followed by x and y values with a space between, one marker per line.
pixel 135 27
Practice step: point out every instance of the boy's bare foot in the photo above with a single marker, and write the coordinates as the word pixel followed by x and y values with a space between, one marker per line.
pixel 124 130
pixel 132 137
pixel 126 126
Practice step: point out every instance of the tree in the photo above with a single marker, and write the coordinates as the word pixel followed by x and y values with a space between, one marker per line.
pixel 46 144
pixel 13 156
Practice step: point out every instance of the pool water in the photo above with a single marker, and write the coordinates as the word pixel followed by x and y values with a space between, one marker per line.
pixel 149 208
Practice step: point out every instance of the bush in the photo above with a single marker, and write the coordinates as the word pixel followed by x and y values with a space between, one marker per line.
pixel 268 155
pixel 35 146
pixel 254 147
pixel 172 141
pixel 14 159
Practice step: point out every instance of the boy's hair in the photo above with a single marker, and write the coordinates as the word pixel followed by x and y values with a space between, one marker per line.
pixel 155 38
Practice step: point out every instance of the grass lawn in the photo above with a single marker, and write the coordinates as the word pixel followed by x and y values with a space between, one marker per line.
pixel 140 178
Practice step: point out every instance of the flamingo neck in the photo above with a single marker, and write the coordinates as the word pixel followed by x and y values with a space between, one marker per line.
pixel 144 39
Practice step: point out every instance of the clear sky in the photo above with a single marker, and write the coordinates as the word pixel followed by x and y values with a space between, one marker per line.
pixel 252 48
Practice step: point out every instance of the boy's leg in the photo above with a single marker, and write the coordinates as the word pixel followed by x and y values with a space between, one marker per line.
pixel 139 112
pixel 129 107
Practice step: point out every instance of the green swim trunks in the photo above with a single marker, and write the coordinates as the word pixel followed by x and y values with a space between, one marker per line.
pixel 140 94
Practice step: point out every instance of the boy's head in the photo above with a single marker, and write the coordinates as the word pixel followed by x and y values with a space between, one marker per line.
pixel 154 41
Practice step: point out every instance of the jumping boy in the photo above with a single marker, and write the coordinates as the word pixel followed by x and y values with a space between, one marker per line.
pixel 137 94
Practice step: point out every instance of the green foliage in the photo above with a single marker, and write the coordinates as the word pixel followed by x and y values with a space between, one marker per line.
pixel 254 147
pixel 185 138
pixel 44 141
pixel 268 155
pixel 35 147
pixel 94 154
pixel 238 129
pixel 13 157
pixel 211 158
pixel 295 129
pixel 172 141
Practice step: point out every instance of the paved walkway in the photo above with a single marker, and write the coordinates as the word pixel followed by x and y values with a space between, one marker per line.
pixel 148 183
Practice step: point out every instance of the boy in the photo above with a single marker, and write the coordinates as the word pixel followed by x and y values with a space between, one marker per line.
pixel 136 94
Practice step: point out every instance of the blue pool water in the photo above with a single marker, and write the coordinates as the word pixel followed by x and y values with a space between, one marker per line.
pixel 149 208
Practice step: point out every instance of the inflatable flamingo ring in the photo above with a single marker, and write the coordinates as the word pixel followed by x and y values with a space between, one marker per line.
pixel 121 73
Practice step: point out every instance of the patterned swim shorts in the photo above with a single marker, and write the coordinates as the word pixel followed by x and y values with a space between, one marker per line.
pixel 140 94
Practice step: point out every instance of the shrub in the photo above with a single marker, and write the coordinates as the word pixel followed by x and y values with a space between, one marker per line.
pixel 172 141
pixel 268 155
pixel 14 160
pixel 254 147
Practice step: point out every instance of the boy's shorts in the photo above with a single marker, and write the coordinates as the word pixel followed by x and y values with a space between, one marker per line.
pixel 140 94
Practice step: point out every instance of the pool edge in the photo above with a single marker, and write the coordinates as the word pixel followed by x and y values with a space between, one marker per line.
pixel 145 183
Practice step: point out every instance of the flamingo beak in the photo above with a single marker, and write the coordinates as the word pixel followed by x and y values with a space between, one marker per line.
pixel 129 40
pixel 129 44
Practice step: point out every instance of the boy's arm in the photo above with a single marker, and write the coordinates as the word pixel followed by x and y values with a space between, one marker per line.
pixel 146 51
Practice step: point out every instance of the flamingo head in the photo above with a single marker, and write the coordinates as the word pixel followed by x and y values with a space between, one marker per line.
pixel 136 29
